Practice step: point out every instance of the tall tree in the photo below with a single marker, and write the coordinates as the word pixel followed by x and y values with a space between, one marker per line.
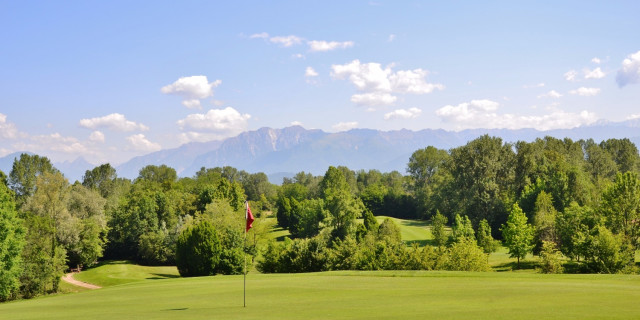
pixel 25 170
pixel 439 221
pixel 517 234
pixel 485 240
pixel 342 205
pixel 621 206
pixel 11 243
pixel 544 221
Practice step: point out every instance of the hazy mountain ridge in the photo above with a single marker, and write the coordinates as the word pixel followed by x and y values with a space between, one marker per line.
pixel 283 152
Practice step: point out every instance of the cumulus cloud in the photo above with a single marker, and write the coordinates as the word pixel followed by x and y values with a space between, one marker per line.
pixel 139 142
pixel 403 114
pixel 310 72
pixel 296 123
pixel 571 75
pixel 8 130
pixel 345 126
pixel 483 114
pixel 377 84
pixel 596 60
pixel 192 89
pixel 594 74
pixel 585 92
pixel 114 121
pixel 262 35
pixel 215 124
pixel 96 136
pixel 373 99
pixel 550 94
pixel 286 41
pixel 630 71
pixel 52 142
pixel 320 46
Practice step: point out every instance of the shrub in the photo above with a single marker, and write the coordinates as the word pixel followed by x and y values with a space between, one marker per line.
pixel 198 250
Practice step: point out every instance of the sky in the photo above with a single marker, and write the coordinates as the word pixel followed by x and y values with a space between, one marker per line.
pixel 110 80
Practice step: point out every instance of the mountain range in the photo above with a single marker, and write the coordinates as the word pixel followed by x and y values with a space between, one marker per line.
pixel 283 152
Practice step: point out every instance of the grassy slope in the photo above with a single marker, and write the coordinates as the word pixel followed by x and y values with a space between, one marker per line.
pixel 349 295
pixel 119 272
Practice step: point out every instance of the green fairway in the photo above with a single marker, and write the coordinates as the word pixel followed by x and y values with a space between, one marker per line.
pixel 350 295
pixel 119 272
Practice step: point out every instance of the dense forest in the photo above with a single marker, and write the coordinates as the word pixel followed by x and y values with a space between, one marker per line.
pixel 576 204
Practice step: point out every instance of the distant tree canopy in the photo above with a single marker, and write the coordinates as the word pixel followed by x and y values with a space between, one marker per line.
pixel 579 199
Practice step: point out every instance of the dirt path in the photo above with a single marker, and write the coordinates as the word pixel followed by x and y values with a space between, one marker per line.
pixel 69 278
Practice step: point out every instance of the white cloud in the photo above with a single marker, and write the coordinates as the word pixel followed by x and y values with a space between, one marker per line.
pixel 391 37
pixel 321 46
pixel 52 142
pixel 633 116
pixel 403 114
pixel 262 35
pixel 139 142
pixel 550 94
pixel 596 60
pixel 296 123
pixel 8 130
pixel 571 75
pixel 216 124
pixel 630 71
pixel 585 92
pixel 192 89
pixel 538 85
pixel 97 136
pixel 298 56
pixel 286 41
pixel 482 114
pixel 345 126
pixel 114 121
pixel 374 99
pixel 310 72
pixel 378 84
pixel 594 74
pixel 192 104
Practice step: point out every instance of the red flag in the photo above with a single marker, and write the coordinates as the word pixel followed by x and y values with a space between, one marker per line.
pixel 249 218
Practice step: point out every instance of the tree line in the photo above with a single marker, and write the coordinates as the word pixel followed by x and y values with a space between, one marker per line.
pixel 580 199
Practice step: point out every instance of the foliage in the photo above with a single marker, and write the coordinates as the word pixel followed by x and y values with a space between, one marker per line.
pixel 544 221
pixel 621 206
pixel 465 255
pixel 485 240
pixel 342 206
pixel 12 241
pixel 25 170
pixel 517 234
pixel 437 229
pixel 198 250
pixel 608 253
pixel 463 229
pixel 551 258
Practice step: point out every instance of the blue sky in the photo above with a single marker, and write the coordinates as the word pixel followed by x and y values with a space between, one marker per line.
pixel 109 80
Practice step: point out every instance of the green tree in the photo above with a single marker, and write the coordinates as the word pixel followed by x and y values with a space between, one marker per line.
pixel 370 221
pixel 551 258
pixel 198 250
pixel 342 205
pixel 485 240
pixel 86 207
pixel 25 170
pixel 462 228
pixel 621 206
pixel 517 234
pixel 608 252
pixel 544 220
pixel 100 178
pixel 465 255
pixel 388 230
pixel 12 241
pixel 437 229
pixel 483 179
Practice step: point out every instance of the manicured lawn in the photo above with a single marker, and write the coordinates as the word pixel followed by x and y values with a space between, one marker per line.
pixel 350 295
pixel 119 272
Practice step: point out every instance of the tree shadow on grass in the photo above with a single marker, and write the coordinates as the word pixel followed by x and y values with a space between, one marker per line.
pixel 513 266
pixel 414 223
pixel 160 276
pixel 422 243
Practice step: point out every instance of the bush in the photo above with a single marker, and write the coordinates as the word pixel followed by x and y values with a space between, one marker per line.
pixel 550 256
pixel 198 250
pixel 465 255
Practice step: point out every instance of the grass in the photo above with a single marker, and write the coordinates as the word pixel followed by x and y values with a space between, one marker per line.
pixel 345 295
pixel 112 273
